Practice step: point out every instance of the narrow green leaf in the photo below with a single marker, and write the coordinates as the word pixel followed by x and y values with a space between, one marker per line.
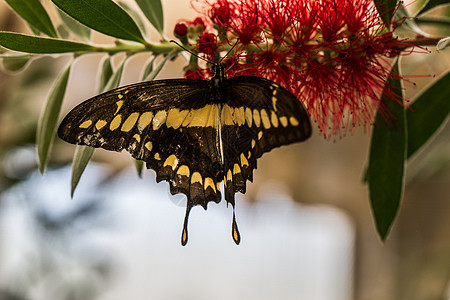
pixel 15 63
pixel 139 166
pixel 428 5
pixel 81 158
pixel 114 81
pixel 428 113
pixel 104 16
pixel 387 160
pixel 152 9
pixel 47 122
pixel 63 33
pixel 152 75
pixel 134 14
pixel 34 13
pixel 74 26
pixel 84 153
pixel 34 44
pixel 386 9
pixel 106 72
pixel 407 23
pixel 148 68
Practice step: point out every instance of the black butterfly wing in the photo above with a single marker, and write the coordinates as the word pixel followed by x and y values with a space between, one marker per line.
pixel 172 125
pixel 259 115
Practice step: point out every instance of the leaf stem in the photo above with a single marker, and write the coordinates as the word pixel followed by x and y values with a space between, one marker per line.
pixel 163 48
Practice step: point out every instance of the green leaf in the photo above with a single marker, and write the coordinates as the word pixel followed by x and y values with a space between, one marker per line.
pixel 63 33
pixel 152 9
pixel 407 23
pixel 34 44
pixel 152 75
pixel 428 113
pixel 139 166
pixel 106 72
pixel 74 26
pixel 386 9
pixel 134 14
pixel 15 63
pixel 114 81
pixel 81 158
pixel 34 13
pixel 104 16
pixel 47 122
pixel 148 68
pixel 428 5
pixel 84 153
pixel 387 160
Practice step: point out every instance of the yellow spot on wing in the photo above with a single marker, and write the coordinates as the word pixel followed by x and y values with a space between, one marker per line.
pixel 129 122
pixel 239 115
pixel 209 182
pixel 229 176
pixel 183 170
pixel 249 116
pixel 85 124
pixel 149 146
pixel 274 119
pixel 175 117
pixel 260 134
pixel 159 119
pixel 188 118
pixel 196 177
pixel 205 117
pixel 137 137
pixel 293 121
pixel 120 96
pixel 274 101
pixel 100 124
pixel 156 156
pixel 144 120
pixel 119 106
pixel 115 123
pixel 236 169
pixel 256 118
pixel 227 115
pixel 284 121
pixel 244 161
pixel 253 143
pixel 265 119
pixel 171 161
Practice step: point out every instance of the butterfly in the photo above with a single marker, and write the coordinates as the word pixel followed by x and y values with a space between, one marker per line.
pixel 195 134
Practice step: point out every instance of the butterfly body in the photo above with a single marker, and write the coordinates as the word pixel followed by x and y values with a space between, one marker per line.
pixel 194 134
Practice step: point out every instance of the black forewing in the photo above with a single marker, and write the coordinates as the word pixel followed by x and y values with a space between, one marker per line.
pixel 169 124
pixel 259 115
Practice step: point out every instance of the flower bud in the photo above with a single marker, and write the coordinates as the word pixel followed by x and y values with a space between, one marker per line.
pixel 180 32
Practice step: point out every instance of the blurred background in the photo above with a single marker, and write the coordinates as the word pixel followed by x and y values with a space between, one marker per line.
pixel 306 225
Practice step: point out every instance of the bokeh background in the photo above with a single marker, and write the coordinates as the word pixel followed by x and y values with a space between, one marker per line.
pixel 306 225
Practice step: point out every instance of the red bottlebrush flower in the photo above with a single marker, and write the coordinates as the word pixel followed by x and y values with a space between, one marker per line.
pixel 197 21
pixel 332 54
pixel 207 43
pixel 180 30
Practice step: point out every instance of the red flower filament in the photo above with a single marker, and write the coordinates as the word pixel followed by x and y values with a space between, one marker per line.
pixel 332 54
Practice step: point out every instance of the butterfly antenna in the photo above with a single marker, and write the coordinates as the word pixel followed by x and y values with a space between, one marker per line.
pixel 237 41
pixel 182 47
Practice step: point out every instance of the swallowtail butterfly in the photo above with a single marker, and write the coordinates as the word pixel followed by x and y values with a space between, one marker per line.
pixel 194 134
